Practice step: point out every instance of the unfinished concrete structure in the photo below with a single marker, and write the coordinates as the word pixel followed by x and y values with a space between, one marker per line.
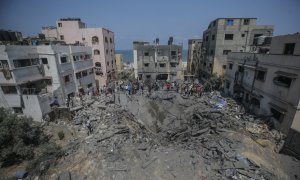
pixel 194 56
pixel 225 35
pixel 30 76
pixel 74 31
pixel 269 84
pixel 119 63
pixel 157 62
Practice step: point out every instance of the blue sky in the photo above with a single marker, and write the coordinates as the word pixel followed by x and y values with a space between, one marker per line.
pixel 147 19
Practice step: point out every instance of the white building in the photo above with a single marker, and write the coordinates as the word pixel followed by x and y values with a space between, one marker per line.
pixel 74 31
pixel 269 84
pixel 30 76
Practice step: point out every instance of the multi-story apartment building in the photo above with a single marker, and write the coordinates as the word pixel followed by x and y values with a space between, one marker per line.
pixel 225 35
pixel 30 76
pixel 194 56
pixel 119 63
pixel 74 31
pixel 269 84
pixel 157 62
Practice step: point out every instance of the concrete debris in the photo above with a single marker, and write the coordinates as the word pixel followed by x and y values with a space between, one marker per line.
pixel 130 129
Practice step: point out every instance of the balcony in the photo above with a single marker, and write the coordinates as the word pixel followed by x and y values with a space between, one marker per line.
pixel 29 73
pixel 80 65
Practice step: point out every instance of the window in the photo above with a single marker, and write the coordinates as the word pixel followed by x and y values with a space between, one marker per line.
pixel 96 52
pixel 228 36
pixel 110 40
pixel 241 69
pixel 282 81
pixel 230 65
pixel 277 115
pixel 25 62
pixel 246 21
pixel 106 40
pixel 146 64
pixel 255 37
pixel 106 51
pixel 148 76
pixel 107 63
pixel 18 110
pixel 289 48
pixel 229 22
pixel 63 59
pixel 255 102
pixel 59 24
pixel 3 64
pixel 162 65
pixel 261 75
pixel 146 54
pixel 62 37
pixel 84 73
pixel 78 75
pixel 211 52
pixel 9 89
pixel 67 78
pixel 213 37
pixel 225 52
pixel 75 58
pixel 214 23
pixel 206 39
pixel 91 71
pixel 44 60
pixel 83 39
pixel 224 66
pixel 97 64
pixel 173 64
pixel 90 85
pixel 95 40
pixel 210 65
pixel 173 53
pixel 227 84
pixel 243 35
pixel 204 64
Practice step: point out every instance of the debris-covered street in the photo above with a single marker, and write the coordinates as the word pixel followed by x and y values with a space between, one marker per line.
pixel 164 135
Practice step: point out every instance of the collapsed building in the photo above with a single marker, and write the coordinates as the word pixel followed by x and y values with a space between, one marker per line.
pixel 194 56
pixel 101 40
pixel 268 83
pixel 157 62
pixel 30 76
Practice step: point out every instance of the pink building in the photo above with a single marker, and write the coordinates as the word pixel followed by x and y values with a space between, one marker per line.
pixel 74 31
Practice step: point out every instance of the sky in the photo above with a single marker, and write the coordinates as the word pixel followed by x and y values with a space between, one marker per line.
pixel 146 20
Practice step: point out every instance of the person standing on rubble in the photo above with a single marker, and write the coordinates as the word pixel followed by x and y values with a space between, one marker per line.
pixel 89 127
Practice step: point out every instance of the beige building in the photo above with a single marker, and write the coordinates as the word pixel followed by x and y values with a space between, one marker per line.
pixel 269 84
pixel 194 56
pixel 74 31
pixel 119 63
pixel 225 35
pixel 157 62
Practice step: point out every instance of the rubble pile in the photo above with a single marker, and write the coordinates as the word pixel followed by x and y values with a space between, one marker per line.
pixel 211 127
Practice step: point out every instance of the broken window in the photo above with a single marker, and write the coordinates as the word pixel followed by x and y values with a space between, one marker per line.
pixel 230 65
pixel 148 76
pixel 25 62
pixel 146 54
pixel 228 36
pixel 206 39
pixel 75 58
pixel 95 40
pixel 261 75
pixel 213 37
pixel 243 35
pixel 106 40
pixel 97 64
pixel 227 84
pixel 84 73
pixel 107 63
pixel 246 21
pixel 140 76
pixel 225 52
pixel 110 40
pixel 96 52
pixel 224 66
pixel 78 75
pixel 173 53
pixel 4 64
pixel 173 64
pixel 63 59
pixel 289 48
pixel 62 37
pixel 277 115
pixel 68 78
pixel 9 89
pixel 241 69
pixel 162 65
pixel 59 24
pixel 255 37
pixel 282 81
pixel 91 71
pixel 106 51
pixel 44 60
pixel 229 22
pixel 146 64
